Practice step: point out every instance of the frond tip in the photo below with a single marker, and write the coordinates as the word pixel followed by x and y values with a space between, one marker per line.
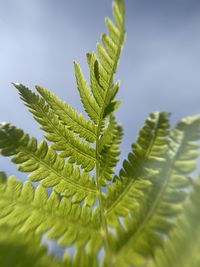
pixel 99 100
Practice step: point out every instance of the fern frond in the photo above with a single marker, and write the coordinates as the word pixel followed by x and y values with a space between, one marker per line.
pixel 120 194
pixel 99 101
pixel 63 139
pixel 181 249
pixel 22 246
pixel 87 98
pixel 150 215
pixel 3 177
pixel 46 165
pixel 81 259
pixel 108 134
pixel 69 116
pixel 95 87
pixel 33 211
pixel 109 150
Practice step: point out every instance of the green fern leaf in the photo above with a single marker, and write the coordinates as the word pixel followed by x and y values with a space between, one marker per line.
pixel 96 88
pixel 151 213
pixel 137 166
pixel 109 150
pixel 64 140
pixel 69 116
pixel 181 249
pixel 3 177
pixel 28 247
pixel 46 165
pixel 87 98
pixel 102 70
pixel 32 211
pixel 146 216
pixel 81 259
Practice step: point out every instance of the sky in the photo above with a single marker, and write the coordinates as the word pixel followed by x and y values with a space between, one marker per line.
pixel 159 67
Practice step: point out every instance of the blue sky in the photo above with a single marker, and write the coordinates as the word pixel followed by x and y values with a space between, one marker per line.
pixel 159 68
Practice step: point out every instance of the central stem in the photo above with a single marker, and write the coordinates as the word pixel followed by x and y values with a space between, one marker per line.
pixel 109 257
pixel 104 227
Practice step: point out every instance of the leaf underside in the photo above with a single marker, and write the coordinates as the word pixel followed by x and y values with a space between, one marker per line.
pixel 147 215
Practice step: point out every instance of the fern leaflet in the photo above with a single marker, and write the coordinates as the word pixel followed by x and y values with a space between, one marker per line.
pixel 31 210
pixel 46 165
pixel 181 249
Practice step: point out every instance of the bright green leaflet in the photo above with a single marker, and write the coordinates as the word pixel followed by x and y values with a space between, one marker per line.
pixel 145 216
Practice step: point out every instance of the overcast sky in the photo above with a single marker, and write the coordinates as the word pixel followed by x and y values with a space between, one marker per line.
pixel 159 68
